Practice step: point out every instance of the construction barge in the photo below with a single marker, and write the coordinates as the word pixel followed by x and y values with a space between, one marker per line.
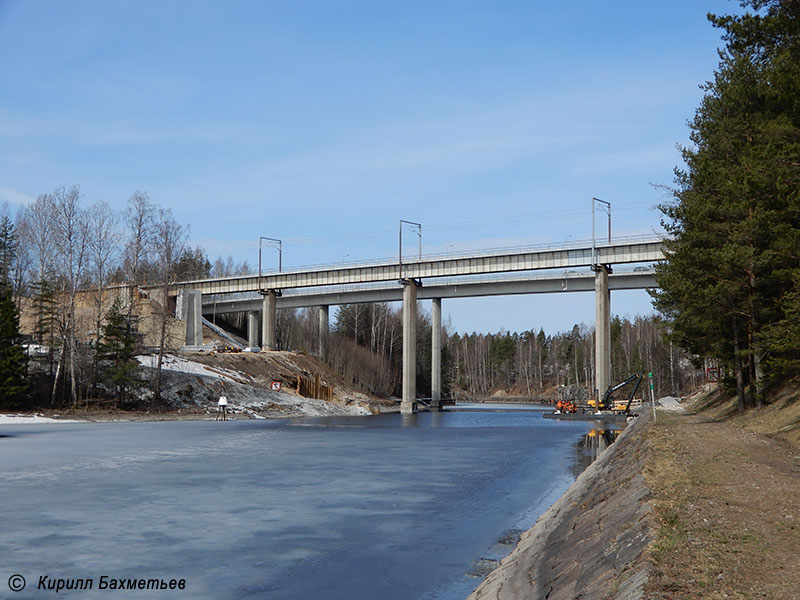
pixel 610 408
pixel 588 416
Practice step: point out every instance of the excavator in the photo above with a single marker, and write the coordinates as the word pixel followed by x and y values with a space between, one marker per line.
pixel 610 402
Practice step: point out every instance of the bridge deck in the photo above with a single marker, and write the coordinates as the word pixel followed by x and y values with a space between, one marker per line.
pixel 521 259
pixel 330 296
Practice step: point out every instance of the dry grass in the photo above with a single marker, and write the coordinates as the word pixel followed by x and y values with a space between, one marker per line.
pixel 726 499
pixel 779 418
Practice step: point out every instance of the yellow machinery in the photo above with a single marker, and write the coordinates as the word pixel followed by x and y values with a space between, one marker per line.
pixel 610 402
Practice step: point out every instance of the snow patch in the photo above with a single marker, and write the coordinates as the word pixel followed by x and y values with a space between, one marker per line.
pixel 253 401
pixel 36 349
pixel 17 419
pixel 182 365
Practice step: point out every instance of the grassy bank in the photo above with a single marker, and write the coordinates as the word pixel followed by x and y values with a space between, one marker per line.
pixel 725 493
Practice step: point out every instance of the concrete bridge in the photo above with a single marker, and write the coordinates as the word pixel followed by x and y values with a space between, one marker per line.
pixel 431 277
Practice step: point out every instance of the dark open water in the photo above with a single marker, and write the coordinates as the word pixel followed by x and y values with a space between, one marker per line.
pixel 386 507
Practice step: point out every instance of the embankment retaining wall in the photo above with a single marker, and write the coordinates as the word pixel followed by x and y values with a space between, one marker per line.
pixel 590 543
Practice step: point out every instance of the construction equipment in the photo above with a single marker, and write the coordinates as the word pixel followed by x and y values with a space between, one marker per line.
pixel 566 406
pixel 610 402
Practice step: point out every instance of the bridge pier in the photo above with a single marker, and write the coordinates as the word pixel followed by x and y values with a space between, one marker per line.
pixel 268 312
pixel 189 307
pixel 409 346
pixel 252 328
pixel 324 329
pixel 436 354
pixel 602 331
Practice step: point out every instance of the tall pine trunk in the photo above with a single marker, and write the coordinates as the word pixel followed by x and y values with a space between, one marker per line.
pixel 738 367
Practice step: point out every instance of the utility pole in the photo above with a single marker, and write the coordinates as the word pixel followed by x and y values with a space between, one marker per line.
pixel 607 209
pixel 400 243
pixel 274 243
pixel 652 396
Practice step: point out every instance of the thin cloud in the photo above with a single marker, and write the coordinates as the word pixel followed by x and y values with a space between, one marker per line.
pixel 14 197
pixel 89 130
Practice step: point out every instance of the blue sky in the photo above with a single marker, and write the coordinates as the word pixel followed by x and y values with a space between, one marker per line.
pixel 324 123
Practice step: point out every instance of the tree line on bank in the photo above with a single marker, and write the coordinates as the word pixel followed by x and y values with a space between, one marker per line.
pixel 730 287
pixel 365 347
pixel 57 249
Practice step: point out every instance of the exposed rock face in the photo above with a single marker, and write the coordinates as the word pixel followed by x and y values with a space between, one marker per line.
pixel 193 382
pixel 590 543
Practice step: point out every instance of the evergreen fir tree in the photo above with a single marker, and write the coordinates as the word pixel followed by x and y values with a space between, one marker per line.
pixel 45 308
pixel 735 226
pixel 117 352
pixel 8 248
pixel 13 366
pixel 13 381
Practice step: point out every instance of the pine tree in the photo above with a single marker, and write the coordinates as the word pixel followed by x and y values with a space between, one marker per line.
pixel 45 309
pixel 784 335
pixel 735 224
pixel 117 352
pixel 13 381
pixel 13 367
pixel 8 248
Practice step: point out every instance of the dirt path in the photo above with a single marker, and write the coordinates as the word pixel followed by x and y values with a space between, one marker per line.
pixel 728 501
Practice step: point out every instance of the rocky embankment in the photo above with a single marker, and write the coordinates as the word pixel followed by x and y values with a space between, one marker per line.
pixel 258 385
pixel 591 542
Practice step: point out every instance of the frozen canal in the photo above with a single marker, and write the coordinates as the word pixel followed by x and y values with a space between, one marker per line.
pixel 387 507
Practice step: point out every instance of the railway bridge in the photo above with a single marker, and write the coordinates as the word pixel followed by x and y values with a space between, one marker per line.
pixel 520 270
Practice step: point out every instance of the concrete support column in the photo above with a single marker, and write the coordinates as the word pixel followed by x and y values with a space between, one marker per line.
pixel 252 329
pixel 268 312
pixel 409 346
pixel 190 309
pixel 602 331
pixel 436 354
pixel 324 329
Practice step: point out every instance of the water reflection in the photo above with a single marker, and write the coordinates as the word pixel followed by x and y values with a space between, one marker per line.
pixel 591 445
pixel 410 420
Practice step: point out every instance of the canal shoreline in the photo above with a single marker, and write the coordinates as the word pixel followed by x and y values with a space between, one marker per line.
pixel 591 543
pixel 698 504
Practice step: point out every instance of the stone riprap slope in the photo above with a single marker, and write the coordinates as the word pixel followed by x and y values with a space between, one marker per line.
pixel 591 542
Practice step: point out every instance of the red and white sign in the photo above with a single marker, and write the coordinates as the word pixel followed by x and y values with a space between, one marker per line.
pixel 276 386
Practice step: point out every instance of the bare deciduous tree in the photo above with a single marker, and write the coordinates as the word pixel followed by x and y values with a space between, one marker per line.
pixel 38 229
pixel 169 242
pixel 70 237
pixel 104 244
pixel 139 217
